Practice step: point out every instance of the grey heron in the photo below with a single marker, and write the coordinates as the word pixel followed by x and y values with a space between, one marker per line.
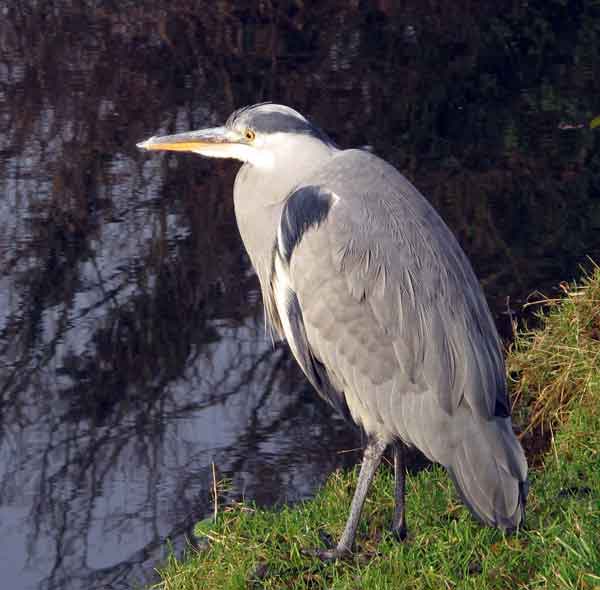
pixel 379 305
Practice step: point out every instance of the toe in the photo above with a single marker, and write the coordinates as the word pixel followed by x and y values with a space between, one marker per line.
pixel 328 555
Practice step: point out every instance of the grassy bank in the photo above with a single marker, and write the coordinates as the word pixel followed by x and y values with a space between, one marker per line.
pixel 555 375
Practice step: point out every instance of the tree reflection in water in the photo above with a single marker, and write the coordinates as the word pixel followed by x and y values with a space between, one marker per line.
pixel 132 349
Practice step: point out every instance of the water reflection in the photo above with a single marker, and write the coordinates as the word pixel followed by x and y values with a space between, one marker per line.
pixel 132 349
pixel 97 480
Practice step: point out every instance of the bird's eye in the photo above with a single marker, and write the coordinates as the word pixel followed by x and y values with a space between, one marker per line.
pixel 249 134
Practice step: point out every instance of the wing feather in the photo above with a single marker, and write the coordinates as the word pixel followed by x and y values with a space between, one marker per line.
pixel 375 257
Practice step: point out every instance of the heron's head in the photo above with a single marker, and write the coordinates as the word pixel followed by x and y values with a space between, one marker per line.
pixel 260 134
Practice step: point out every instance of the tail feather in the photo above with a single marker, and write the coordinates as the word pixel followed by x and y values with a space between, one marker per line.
pixel 489 470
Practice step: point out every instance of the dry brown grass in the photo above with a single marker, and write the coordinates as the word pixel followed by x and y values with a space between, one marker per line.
pixel 557 366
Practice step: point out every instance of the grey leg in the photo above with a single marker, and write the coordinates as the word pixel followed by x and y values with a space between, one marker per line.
pixel 399 522
pixel 371 459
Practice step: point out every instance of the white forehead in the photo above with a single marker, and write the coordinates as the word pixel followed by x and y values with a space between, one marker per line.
pixel 269 109
pixel 269 118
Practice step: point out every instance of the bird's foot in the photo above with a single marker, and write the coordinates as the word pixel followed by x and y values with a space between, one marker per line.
pixel 400 533
pixel 328 555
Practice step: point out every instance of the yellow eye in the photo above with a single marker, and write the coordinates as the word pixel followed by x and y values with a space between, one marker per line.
pixel 249 134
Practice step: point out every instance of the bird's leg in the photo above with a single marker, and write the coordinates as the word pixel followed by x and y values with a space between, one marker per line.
pixel 371 459
pixel 399 521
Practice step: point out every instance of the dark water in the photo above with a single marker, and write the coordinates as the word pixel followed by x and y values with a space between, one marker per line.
pixel 132 346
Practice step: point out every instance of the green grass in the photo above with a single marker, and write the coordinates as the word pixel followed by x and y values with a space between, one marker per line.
pixel 555 373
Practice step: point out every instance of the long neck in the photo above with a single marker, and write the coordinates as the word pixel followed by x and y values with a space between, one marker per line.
pixel 259 196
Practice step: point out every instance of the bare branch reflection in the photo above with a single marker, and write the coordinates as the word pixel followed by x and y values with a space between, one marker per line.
pixel 132 348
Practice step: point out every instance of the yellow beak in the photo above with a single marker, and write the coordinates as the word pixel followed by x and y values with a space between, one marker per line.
pixel 193 140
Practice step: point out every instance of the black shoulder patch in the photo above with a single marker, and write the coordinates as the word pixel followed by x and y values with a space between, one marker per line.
pixel 306 207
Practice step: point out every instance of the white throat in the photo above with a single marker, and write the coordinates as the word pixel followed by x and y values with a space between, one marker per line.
pixel 258 156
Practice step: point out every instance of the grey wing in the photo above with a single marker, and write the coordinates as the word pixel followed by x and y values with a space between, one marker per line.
pixel 304 211
pixel 382 296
